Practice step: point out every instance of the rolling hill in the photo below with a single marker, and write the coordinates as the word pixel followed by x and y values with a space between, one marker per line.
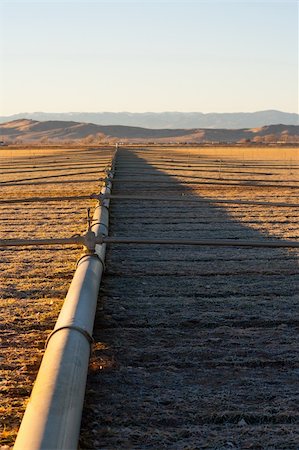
pixel 26 131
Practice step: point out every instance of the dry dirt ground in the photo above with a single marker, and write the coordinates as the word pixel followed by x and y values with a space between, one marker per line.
pixel 33 282
pixel 194 347
pixel 197 347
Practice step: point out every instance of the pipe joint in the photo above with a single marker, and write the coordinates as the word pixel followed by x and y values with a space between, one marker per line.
pixel 107 181
pixel 100 197
pixel 91 255
pixel 85 333
pixel 101 224
pixel 95 196
pixel 89 241
pixel 109 173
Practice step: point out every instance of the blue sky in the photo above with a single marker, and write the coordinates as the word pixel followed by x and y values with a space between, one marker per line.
pixel 209 56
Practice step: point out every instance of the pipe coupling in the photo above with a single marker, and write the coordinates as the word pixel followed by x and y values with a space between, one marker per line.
pixel 89 241
pixel 100 197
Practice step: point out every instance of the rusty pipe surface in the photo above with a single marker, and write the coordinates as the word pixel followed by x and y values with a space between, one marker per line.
pixel 53 415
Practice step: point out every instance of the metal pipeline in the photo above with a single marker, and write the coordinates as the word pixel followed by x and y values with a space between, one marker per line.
pixel 95 244
pixel 189 198
pixel 53 415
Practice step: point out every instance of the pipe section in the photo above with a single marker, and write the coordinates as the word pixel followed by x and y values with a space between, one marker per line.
pixel 266 243
pixel 189 198
pixel 53 415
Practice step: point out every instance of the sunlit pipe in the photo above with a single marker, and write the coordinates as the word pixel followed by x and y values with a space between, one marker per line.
pixel 53 415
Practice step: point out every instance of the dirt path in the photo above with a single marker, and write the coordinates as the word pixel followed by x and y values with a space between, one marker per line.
pixel 196 347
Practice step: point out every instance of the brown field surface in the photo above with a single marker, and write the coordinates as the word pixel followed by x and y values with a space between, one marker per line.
pixel 241 153
pixel 34 281
pixel 195 347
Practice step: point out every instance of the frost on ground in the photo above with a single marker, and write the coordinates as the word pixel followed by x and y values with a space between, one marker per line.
pixel 196 347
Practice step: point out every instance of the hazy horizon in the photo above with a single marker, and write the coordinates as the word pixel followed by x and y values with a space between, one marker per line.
pixel 164 120
pixel 148 112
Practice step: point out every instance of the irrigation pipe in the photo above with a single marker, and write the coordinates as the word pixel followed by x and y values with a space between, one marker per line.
pixel 75 240
pixel 53 415
pixel 33 179
pixel 99 238
pixel 188 198
pixel 202 160
pixel 212 165
pixel 37 183
pixel 49 167
pixel 44 199
pixel 275 243
pixel 217 182
pixel 54 169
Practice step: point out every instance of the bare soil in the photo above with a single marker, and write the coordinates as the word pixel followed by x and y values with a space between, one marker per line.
pixel 196 347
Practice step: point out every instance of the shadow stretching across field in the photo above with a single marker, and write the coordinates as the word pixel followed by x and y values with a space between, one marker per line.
pixel 196 347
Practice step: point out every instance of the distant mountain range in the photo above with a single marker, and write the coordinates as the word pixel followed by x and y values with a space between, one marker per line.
pixel 170 120
pixel 25 131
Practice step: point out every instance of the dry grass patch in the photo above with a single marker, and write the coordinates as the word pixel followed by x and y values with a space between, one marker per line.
pixel 34 281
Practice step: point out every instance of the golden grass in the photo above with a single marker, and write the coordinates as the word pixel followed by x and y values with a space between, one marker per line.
pixel 34 281
pixel 238 153
pixel 285 154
